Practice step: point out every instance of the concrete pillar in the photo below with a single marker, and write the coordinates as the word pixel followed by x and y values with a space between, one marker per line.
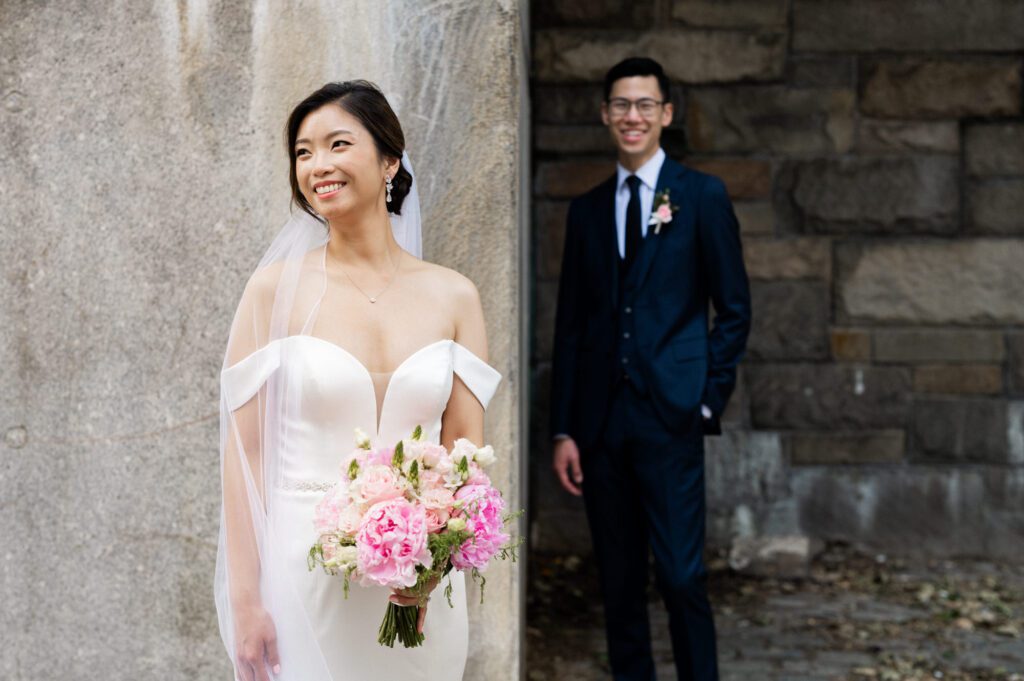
pixel 139 144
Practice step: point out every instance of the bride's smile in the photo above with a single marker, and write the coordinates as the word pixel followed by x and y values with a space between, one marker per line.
pixel 338 166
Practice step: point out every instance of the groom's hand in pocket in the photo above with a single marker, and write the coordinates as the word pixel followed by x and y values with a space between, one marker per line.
pixel 567 465
pixel 256 645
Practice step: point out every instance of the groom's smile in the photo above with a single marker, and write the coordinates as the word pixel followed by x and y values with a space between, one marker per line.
pixel 635 113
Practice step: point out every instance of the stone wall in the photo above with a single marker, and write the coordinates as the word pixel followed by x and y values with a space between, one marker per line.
pixel 875 154
pixel 142 174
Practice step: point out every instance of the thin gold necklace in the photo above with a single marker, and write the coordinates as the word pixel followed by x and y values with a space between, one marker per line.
pixel 373 299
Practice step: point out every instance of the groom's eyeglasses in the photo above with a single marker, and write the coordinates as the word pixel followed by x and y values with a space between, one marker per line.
pixel 620 106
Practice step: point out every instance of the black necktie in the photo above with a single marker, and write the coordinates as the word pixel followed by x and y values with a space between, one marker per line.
pixel 633 236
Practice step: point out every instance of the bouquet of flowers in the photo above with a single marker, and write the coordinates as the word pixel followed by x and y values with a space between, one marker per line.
pixel 402 517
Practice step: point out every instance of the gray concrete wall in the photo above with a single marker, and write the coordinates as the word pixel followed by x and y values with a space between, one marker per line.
pixel 873 151
pixel 142 173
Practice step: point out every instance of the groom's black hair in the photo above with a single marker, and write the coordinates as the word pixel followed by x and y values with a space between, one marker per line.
pixel 637 66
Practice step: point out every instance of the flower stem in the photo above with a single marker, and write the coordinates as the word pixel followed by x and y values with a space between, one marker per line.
pixel 400 622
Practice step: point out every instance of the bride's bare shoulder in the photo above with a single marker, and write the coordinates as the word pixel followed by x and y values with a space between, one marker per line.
pixel 451 284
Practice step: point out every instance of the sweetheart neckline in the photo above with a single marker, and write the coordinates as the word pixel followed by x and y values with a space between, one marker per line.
pixel 360 363
pixel 378 413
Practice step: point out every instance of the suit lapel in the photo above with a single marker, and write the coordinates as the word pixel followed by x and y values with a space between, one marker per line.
pixel 668 178
pixel 610 238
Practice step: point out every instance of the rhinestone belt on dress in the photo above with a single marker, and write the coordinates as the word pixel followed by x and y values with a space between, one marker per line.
pixel 306 485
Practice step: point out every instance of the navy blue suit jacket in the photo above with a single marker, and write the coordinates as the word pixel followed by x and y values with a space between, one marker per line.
pixel 694 259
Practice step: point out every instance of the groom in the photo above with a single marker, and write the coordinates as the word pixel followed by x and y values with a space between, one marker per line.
pixel 638 379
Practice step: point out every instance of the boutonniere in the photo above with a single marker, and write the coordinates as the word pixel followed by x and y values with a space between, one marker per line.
pixel 663 210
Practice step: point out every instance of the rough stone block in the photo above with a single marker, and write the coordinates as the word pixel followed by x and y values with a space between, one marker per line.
pixel 863 447
pixel 889 136
pixel 959 430
pixel 975 281
pixel 995 149
pixel 731 13
pixel 827 396
pixel 937 345
pixel 791 320
pixel 799 258
pixel 597 13
pixel 1015 353
pixel 567 104
pixel 908 25
pixel 782 557
pixel 545 304
pixel 688 55
pixel 890 195
pixel 549 232
pixel 922 510
pixel 576 139
pixel 996 206
pixel 771 118
pixel 962 379
pixel 755 217
pixel 744 178
pixel 851 345
pixel 953 88
pixel 816 71
pixel 569 179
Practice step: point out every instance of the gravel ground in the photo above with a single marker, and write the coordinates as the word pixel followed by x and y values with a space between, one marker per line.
pixel 854 617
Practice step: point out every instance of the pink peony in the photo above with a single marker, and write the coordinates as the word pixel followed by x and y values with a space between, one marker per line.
pixel 482 507
pixel 377 483
pixel 477 476
pixel 391 543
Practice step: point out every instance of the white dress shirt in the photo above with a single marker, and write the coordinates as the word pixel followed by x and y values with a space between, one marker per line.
pixel 648 174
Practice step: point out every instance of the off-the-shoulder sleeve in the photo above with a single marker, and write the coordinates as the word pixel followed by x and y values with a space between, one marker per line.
pixel 481 378
pixel 240 381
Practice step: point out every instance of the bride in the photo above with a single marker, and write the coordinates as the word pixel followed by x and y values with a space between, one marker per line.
pixel 340 327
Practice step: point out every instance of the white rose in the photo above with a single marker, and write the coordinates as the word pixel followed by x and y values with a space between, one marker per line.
pixel 485 455
pixel 463 448
pixel 346 556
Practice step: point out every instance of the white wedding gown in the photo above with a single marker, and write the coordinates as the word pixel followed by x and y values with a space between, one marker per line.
pixel 339 395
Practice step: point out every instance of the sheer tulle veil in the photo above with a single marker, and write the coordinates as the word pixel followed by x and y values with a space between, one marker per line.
pixel 280 299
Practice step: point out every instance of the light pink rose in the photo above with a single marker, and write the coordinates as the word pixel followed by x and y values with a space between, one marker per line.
pixel 350 519
pixel 391 543
pixel 436 519
pixel 377 483
pixel 430 480
pixel 482 507
pixel 326 513
pixel 664 213
pixel 432 454
pixel 437 498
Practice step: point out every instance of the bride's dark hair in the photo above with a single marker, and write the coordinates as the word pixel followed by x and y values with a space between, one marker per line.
pixel 365 101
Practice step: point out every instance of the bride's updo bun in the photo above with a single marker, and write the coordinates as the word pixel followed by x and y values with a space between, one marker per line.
pixel 366 102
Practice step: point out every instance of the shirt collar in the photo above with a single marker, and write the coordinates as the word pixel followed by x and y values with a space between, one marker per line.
pixel 648 172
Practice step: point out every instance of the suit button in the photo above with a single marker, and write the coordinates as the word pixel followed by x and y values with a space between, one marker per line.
pixel 629 310
pixel 625 360
pixel 626 335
